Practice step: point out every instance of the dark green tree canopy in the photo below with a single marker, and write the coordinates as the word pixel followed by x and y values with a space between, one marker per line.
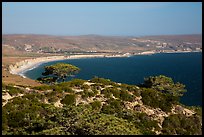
pixel 165 85
pixel 58 71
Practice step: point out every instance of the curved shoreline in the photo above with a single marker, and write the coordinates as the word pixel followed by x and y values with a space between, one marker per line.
pixel 19 68
pixel 23 71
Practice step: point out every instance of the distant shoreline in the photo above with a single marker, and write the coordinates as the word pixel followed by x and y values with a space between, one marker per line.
pixel 19 68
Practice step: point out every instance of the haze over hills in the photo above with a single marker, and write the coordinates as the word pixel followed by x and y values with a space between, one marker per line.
pixel 32 43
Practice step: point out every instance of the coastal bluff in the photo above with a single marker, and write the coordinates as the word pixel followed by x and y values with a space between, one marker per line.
pixel 28 63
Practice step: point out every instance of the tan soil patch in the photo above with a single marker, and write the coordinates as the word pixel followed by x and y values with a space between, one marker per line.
pixel 9 78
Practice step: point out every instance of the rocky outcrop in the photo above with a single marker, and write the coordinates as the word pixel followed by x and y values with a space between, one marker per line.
pixel 6 96
pixel 178 109
pixel 58 104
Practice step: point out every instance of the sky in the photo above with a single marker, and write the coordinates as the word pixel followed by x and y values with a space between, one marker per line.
pixel 102 18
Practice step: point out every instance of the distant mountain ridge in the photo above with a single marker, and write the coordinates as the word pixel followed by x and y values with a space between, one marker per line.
pixel 95 43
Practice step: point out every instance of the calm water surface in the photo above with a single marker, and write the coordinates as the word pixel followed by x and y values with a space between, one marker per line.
pixel 185 68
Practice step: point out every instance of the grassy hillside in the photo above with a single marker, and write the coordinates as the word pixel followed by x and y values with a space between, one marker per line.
pixel 48 44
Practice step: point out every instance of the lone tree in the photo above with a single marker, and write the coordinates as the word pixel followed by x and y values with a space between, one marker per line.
pixel 165 85
pixel 58 72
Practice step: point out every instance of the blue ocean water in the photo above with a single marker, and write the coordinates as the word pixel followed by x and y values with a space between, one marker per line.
pixel 185 68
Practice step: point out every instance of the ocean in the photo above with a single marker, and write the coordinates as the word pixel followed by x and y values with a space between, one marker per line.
pixel 185 68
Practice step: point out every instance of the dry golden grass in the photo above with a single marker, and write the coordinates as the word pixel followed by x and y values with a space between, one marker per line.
pixel 12 60
pixel 9 78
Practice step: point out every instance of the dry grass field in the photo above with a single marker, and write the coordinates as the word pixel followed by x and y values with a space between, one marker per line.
pixel 9 78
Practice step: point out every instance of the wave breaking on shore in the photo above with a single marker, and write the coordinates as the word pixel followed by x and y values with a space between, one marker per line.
pixel 21 67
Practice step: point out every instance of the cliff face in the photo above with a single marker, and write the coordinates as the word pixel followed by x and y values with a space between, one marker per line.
pixel 19 66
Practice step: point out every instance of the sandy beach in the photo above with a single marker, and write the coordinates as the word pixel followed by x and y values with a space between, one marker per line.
pixel 19 68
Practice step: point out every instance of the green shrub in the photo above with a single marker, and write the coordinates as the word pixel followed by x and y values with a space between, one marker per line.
pixel 141 120
pixel 91 94
pixel 106 92
pixel 102 81
pixel 51 94
pixel 69 99
pixel 96 105
pixel 57 88
pixel 116 93
pixel 157 99
pixel 182 125
pixel 68 89
pixel 13 90
pixel 4 119
pixel 86 94
pixel 102 124
pixel 112 106
pixel 85 87
pixel 136 93
pixel 30 96
pixel 16 119
pixel 54 131
pixel 165 85
pixel 95 92
pixel 115 103
pixel 107 109
pixel 64 86
pixel 43 87
pixel 53 99
pixel 76 83
pixel 125 96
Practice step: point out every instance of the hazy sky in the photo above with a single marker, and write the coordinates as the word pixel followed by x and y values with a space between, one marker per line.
pixel 110 18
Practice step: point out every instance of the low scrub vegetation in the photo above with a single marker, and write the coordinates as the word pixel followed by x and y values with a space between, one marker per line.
pixel 98 109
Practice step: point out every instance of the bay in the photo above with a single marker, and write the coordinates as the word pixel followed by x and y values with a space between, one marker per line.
pixel 185 68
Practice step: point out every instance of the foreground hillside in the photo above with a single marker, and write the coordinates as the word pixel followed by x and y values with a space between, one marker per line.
pixel 99 107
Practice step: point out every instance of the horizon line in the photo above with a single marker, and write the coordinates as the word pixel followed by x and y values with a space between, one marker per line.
pixel 101 34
